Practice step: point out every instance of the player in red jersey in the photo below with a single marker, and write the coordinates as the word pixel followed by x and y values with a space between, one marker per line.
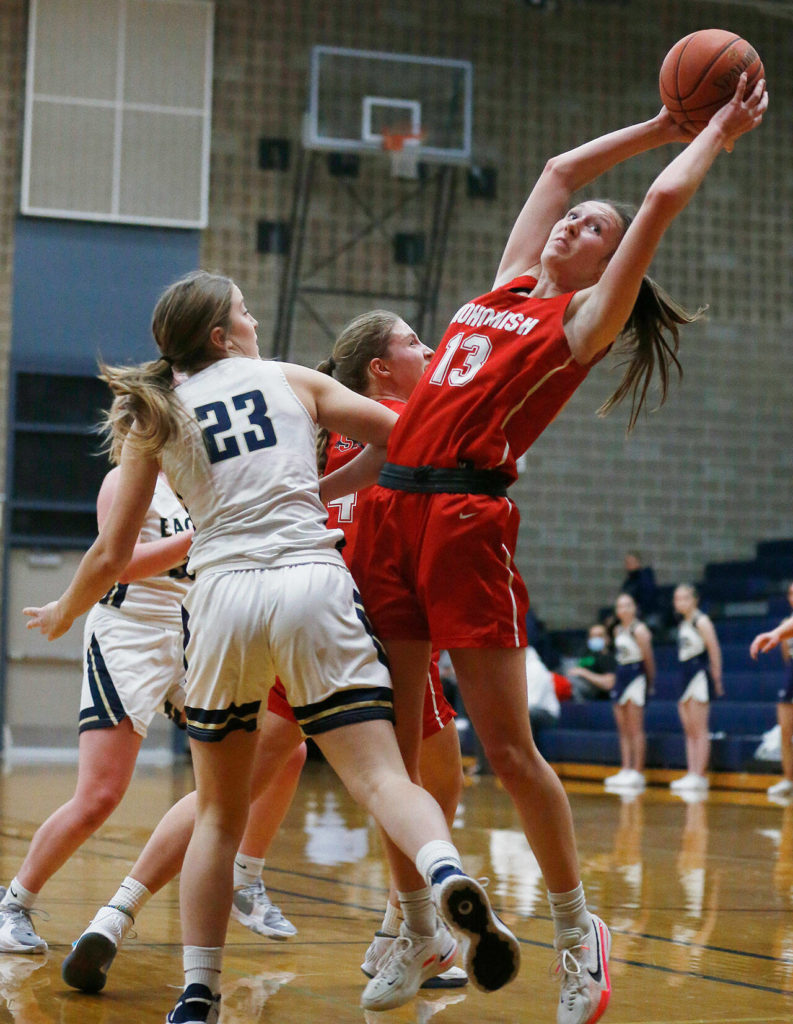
pixel 435 558
pixel 380 356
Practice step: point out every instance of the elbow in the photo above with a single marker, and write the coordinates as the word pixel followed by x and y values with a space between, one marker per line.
pixel 559 171
pixel 111 560
pixel 665 201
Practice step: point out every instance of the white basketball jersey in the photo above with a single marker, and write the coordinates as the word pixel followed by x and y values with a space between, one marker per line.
pixel 254 496
pixel 690 642
pixel 159 598
pixel 626 649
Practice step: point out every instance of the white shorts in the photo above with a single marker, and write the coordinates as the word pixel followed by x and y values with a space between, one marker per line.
pixel 634 693
pixel 131 670
pixel 303 623
pixel 697 689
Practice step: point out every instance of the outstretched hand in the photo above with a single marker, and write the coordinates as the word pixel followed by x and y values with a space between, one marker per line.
pixel 763 642
pixel 47 619
pixel 743 112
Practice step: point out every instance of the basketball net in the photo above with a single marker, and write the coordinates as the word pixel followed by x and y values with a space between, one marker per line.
pixel 403 150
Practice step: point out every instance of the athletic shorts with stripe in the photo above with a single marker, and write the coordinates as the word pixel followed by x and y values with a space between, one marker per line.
pixel 441 567
pixel 131 669
pixel 438 712
pixel 304 623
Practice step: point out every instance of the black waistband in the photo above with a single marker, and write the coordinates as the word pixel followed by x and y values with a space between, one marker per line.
pixel 432 480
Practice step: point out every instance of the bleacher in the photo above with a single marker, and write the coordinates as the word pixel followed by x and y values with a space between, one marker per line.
pixel 743 598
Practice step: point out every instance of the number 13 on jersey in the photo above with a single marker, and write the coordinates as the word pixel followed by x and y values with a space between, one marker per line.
pixel 478 348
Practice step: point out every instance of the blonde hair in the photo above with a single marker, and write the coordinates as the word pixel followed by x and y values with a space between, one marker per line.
pixel 182 323
pixel 363 339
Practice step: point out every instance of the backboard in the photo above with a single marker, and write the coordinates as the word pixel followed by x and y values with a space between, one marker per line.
pixel 358 98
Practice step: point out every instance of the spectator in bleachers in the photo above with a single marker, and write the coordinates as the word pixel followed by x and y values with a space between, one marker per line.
pixel 699 655
pixel 640 584
pixel 595 674
pixel 783 635
pixel 633 648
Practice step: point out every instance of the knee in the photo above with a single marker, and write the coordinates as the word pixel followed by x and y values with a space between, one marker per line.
pixel 97 806
pixel 296 761
pixel 513 762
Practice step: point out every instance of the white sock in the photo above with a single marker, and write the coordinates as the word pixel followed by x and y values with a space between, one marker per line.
pixel 437 859
pixel 419 911
pixel 202 966
pixel 392 920
pixel 132 897
pixel 571 919
pixel 16 893
pixel 247 870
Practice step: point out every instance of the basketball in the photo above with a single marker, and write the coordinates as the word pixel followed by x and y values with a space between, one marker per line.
pixel 701 71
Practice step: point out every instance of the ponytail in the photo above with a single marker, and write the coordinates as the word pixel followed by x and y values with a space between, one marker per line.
pixel 182 323
pixel 143 396
pixel 644 341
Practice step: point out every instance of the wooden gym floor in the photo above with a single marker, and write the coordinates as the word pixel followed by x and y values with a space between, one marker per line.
pixel 698 896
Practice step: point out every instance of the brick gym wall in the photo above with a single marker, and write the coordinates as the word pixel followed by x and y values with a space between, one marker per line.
pixel 703 478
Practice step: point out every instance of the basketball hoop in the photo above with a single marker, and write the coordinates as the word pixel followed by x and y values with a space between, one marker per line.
pixel 403 150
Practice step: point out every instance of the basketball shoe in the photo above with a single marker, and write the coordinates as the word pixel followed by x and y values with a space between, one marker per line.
pixel 86 967
pixel 491 951
pixel 196 1005
pixel 411 960
pixel 253 907
pixel 17 934
pixel 379 949
pixel 582 969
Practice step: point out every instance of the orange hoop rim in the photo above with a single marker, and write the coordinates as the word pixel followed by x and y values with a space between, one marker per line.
pixel 395 142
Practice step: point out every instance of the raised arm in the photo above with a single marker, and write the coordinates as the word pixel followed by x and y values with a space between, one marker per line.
pixel 767 641
pixel 110 553
pixel 565 174
pixel 334 406
pixel 149 558
pixel 596 315
pixel 343 411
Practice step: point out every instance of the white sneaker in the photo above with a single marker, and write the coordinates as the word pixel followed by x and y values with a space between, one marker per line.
pixel 379 949
pixel 491 951
pixel 86 967
pixel 17 934
pixel 253 908
pixel 689 782
pixel 412 959
pixel 783 788
pixel 627 778
pixel 583 971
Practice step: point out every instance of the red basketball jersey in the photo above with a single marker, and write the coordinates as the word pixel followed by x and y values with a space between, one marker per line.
pixel 501 374
pixel 345 513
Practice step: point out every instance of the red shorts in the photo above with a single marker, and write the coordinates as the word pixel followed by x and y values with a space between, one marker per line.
pixel 441 567
pixel 438 712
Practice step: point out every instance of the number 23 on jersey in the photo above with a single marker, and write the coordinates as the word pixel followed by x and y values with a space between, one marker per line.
pixel 225 436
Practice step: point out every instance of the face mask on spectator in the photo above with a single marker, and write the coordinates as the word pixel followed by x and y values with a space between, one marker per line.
pixel 596 643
